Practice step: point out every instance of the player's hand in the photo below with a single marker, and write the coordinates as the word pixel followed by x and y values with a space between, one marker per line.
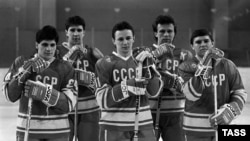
pixel 86 78
pixel 143 55
pixel 39 64
pixel 187 69
pixel 164 50
pixel 172 81
pixel 225 114
pixel 24 72
pixel 212 53
pixel 72 54
pixel 81 52
pixel 42 92
pixel 205 66
pixel 36 64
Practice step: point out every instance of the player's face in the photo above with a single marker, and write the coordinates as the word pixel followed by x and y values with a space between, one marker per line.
pixel 123 41
pixel 46 49
pixel 201 44
pixel 75 35
pixel 165 33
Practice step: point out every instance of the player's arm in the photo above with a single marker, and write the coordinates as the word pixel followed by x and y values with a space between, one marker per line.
pixel 69 91
pixel 193 86
pixel 13 81
pixel 108 96
pixel 149 72
pixel 61 98
pixel 11 88
pixel 233 108
pixel 155 84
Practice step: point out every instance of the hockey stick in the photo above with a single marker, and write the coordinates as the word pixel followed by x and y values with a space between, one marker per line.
pixel 76 120
pixel 215 99
pixel 157 118
pixel 138 100
pixel 26 135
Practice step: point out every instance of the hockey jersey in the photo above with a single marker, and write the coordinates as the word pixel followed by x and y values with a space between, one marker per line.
pixel 49 122
pixel 198 110
pixel 86 98
pixel 111 70
pixel 170 101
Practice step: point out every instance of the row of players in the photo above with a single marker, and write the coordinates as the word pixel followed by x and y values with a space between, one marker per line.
pixel 143 93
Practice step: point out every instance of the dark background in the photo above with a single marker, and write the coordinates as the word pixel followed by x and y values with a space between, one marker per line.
pixel 229 20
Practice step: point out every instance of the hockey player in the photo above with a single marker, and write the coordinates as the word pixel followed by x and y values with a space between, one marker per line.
pixel 48 85
pixel 208 72
pixel 83 59
pixel 167 109
pixel 122 92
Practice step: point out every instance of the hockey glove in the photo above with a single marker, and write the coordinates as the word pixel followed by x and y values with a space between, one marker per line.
pixel 24 72
pixel 39 64
pixel 72 54
pixel 164 50
pixel 205 66
pixel 86 78
pixel 212 53
pixel 171 81
pixel 225 114
pixel 143 55
pixel 131 87
pixel 187 69
pixel 81 52
pixel 203 71
pixel 41 92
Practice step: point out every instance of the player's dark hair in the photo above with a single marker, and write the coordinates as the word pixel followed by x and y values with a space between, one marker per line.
pixel 47 33
pixel 75 21
pixel 122 26
pixel 164 19
pixel 200 32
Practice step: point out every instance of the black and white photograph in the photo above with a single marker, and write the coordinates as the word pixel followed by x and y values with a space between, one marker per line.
pixel 124 70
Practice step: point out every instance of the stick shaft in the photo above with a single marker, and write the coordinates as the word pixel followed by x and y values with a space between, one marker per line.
pixel 138 100
pixel 26 135
pixel 215 103
pixel 157 118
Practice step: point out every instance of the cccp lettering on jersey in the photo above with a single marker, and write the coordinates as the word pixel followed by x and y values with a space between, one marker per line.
pixel 47 79
pixel 218 80
pixel 123 74
pixel 82 64
pixel 169 64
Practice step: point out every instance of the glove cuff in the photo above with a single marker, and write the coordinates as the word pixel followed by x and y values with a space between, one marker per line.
pixel 234 108
pixel 51 96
